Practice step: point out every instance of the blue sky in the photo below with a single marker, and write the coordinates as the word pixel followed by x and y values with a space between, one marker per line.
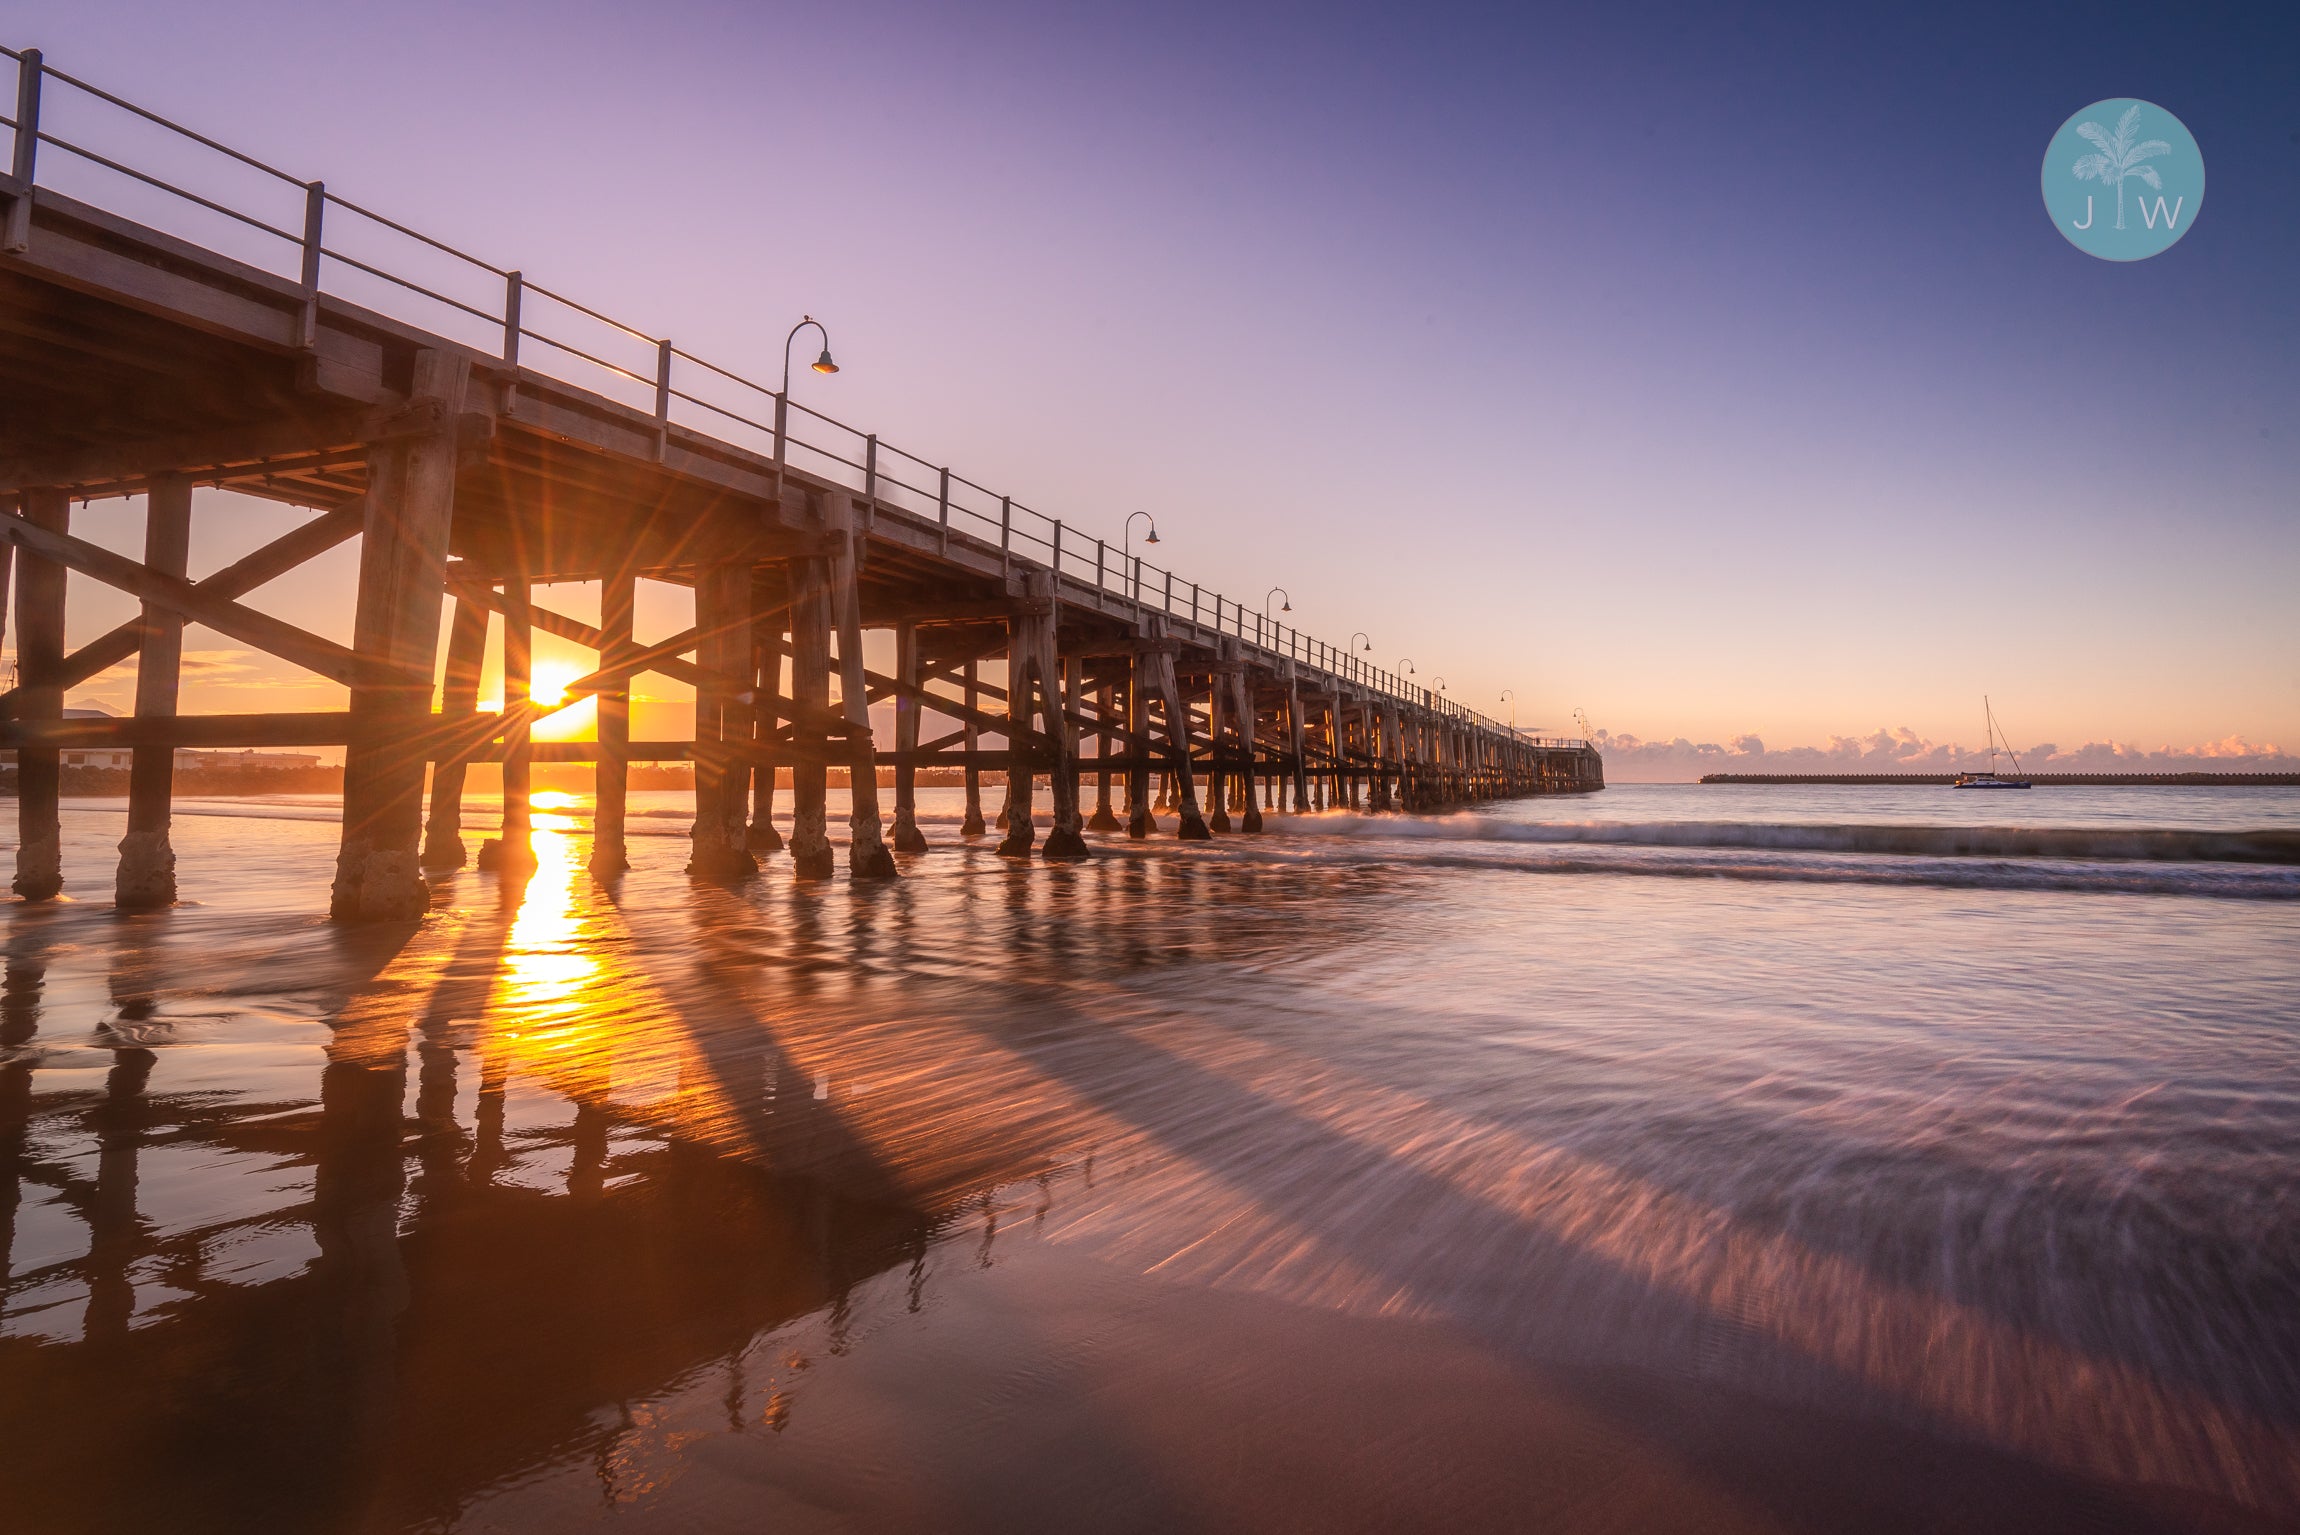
pixel 1717 373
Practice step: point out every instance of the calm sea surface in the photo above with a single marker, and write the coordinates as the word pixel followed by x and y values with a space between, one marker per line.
pixel 1678 1157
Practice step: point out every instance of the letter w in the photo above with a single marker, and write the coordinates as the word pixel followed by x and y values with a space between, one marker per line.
pixel 2170 219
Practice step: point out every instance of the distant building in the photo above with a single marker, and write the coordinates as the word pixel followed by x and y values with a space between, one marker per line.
pixel 241 761
pixel 187 760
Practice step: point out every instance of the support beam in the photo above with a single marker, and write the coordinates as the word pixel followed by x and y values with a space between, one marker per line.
pixel 147 872
pixel 810 686
pixel 39 663
pixel 907 837
pixel 722 618
pixel 1242 709
pixel 459 699
pixel 766 685
pixel 972 825
pixel 1104 736
pixel 512 852
pixel 1034 690
pixel 1218 752
pixel 1169 694
pixel 1140 822
pixel 402 573
pixel 260 630
pixel 237 579
pixel 610 787
pixel 867 854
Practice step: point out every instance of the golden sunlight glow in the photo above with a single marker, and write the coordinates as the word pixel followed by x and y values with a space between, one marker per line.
pixel 545 963
pixel 549 684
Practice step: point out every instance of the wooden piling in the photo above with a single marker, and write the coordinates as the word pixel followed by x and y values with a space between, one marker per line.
pixel 402 570
pixel 1217 743
pixel 1034 689
pixel 907 837
pixel 810 841
pixel 146 876
pixel 1183 798
pixel 1140 821
pixel 767 685
pixel 723 655
pixel 39 667
pixel 611 780
pixel 1242 711
pixel 511 852
pixel 1297 765
pixel 458 700
pixel 972 825
pixel 1105 704
pixel 867 853
pixel 1067 837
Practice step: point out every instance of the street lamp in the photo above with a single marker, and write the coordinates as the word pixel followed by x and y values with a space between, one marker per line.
pixel 822 364
pixel 1278 591
pixel 1127 557
pixel 1407 663
pixel 1509 697
pixel 1360 634
pixel 1438 683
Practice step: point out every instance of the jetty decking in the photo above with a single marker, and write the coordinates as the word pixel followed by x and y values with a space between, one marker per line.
pixel 481 435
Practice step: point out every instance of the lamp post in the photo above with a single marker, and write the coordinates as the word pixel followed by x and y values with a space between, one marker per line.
pixel 1509 697
pixel 1360 634
pixel 1128 554
pixel 1278 591
pixel 822 364
pixel 1406 664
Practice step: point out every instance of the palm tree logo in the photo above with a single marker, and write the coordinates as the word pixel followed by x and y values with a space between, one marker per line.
pixel 2118 156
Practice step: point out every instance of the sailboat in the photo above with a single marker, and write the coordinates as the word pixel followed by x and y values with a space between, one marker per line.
pixel 1989 779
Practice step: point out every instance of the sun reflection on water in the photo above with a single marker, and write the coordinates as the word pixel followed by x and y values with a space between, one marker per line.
pixel 547 967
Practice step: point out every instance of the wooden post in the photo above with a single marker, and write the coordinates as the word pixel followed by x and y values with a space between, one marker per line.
pixel 1014 816
pixel 810 685
pixel 1242 706
pixel 1067 839
pixel 972 826
pixel 1392 760
pixel 767 683
pixel 1218 750
pixel 40 663
pixel 512 851
pixel 907 837
pixel 147 872
pixel 459 700
pixel 611 781
pixel 1140 821
pixel 867 854
pixel 722 724
pixel 402 570
pixel 1296 764
pixel 1105 705
pixel 1169 691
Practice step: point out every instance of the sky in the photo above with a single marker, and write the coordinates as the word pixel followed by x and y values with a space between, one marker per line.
pixel 1716 372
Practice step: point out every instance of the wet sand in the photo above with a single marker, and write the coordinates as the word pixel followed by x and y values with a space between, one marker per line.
pixel 1277 1187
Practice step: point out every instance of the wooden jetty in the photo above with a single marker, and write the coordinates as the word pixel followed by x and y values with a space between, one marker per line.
pixel 481 435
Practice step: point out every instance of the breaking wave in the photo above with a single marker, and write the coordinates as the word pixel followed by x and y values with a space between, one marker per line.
pixel 2115 844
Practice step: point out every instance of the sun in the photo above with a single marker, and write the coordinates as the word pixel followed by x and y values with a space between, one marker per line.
pixel 548 685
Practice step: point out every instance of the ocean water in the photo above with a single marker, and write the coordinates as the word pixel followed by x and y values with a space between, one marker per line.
pixel 1673 1157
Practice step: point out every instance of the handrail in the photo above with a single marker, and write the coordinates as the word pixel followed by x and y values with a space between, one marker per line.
pixel 1015 526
